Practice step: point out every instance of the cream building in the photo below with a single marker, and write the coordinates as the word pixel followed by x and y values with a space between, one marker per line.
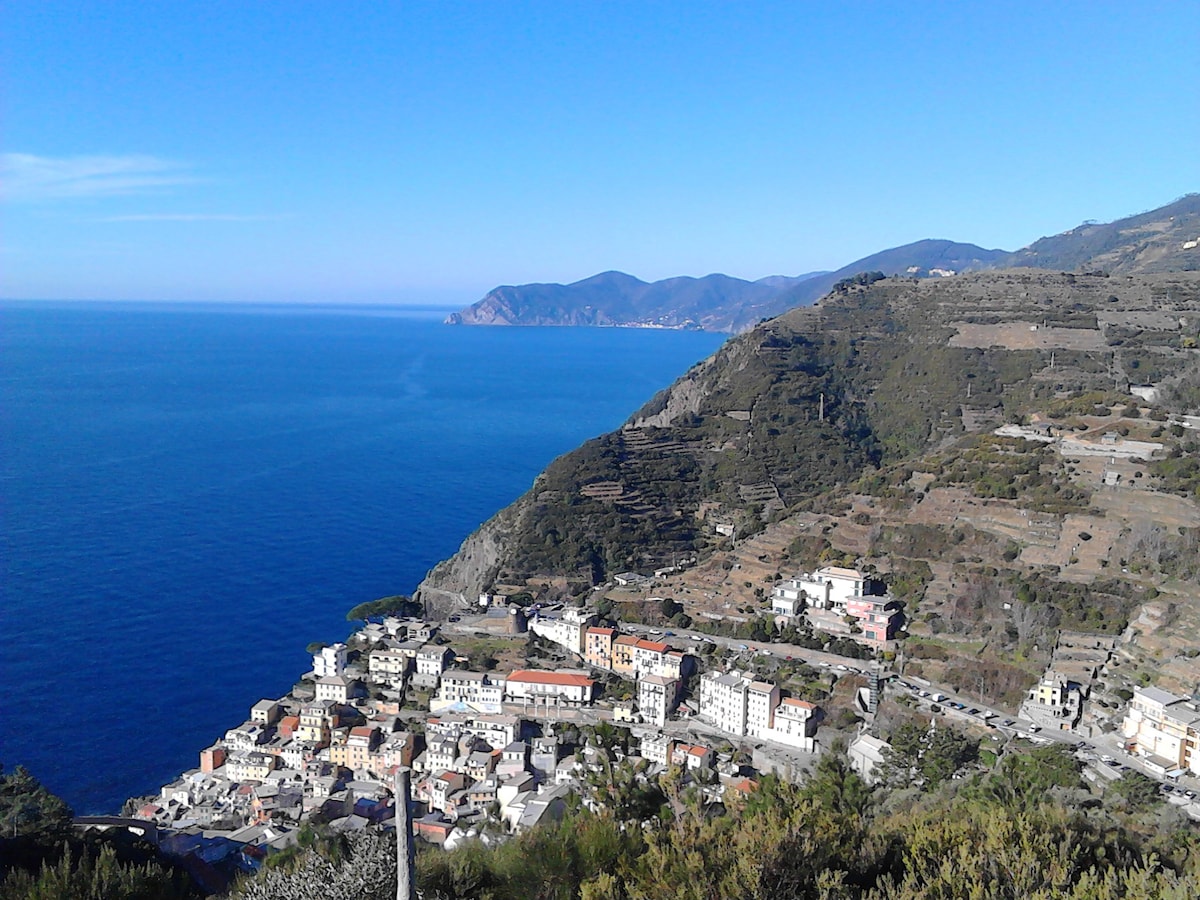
pixel 1164 730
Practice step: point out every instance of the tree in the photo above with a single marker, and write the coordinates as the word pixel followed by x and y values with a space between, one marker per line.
pixel 397 605
pixel 928 756
pixel 27 808
pixel 1135 792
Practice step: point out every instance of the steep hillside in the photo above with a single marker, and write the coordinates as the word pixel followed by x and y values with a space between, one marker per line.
pixel 863 428
pixel 1162 240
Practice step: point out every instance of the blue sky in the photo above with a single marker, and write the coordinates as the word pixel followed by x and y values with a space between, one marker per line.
pixel 426 152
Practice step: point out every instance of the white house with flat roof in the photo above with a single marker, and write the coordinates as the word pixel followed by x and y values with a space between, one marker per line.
pixel 329 661
pixel 1164 730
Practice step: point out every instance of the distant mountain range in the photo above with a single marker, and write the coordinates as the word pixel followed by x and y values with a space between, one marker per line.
pixel 711 303
pixel 1162 240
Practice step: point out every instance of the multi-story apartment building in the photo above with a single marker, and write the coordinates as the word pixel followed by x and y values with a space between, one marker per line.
pixel 354 750
pixel 723 700
pixel 566 629
pixel 761 699
pixel 389 666
pixel 656 698
pixel 1164 729
pixel 878 616
pixel 432 661
pixel 316 723
pixel 622 655
pixel 648 657
pixel 795 724
pixel 598 646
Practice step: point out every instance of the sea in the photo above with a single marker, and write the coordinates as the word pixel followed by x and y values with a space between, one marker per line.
pixel 190 494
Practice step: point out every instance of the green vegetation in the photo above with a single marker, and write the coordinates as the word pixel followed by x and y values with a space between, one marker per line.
pixel 42 858
pixel 924 756
pixel 397 605
pixel 1102 606
pixel 1180 473
pixel 1010 468
pixel 27 809
pixel 1024 829
pixel 853 392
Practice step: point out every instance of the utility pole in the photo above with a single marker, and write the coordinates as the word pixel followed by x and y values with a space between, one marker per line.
pixel 406 851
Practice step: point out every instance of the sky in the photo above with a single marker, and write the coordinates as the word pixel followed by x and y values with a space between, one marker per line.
pixel 414 152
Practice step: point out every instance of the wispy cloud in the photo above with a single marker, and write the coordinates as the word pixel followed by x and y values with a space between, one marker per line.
pixel 187 217
pixel 24 176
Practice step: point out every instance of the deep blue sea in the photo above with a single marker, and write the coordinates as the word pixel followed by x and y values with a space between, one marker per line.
pixel 191 494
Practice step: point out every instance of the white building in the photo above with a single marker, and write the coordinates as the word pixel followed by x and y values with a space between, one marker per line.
pixel 431 663
pixel 656 698
pixel 246 736
pixel 1165 730
pixel 337 688
pixel 723 700
pixel 329 661
pixel 567 629
pixel 866 753
pixel 788 598
pixel 561 687
pixel 829 587
pixel 795 724
pixel 265 712
pixel 656 747
pixel 472 688
pixel 249 766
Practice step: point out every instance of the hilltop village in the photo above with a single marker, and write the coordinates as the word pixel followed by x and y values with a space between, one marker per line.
pixel 496 752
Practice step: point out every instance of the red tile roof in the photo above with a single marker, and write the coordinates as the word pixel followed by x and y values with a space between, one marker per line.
pixel 531 676
pixel 608 631
pixel 651 645
pixel 803 704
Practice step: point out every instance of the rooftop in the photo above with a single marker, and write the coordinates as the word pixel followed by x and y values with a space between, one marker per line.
pixel 840 572
pixel 652 646
pixel 1157 695
pixel 530 676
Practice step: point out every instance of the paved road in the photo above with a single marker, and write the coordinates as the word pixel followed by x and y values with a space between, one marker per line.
pixel 1103 755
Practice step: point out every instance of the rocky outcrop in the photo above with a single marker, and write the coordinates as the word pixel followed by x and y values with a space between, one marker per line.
pixel 459 580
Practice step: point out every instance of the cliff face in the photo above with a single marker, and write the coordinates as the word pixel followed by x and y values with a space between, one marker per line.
pixel 459 580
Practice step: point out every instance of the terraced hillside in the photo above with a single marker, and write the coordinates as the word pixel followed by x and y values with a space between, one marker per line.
pixel 863 428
